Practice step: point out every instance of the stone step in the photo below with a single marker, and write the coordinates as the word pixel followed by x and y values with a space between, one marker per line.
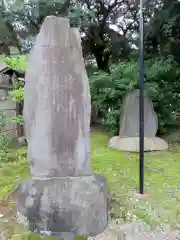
pixel 174 235
pixel 135 231
pixel 139 231
pixel 151 236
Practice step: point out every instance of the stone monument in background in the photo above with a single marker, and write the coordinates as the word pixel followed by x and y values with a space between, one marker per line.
pixel 63 198
pixel 128 139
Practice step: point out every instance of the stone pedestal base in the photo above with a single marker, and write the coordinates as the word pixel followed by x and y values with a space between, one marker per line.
pixel 60 207
pixel 131 144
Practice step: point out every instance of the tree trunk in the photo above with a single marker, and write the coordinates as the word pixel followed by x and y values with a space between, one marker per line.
pixel 94 118
pixel 102 58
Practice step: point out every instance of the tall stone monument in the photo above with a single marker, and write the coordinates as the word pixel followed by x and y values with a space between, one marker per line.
pixel 128 139
pixel 63 198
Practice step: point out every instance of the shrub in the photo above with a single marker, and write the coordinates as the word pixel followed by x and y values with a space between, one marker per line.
pixel 18 94
pixel 18 63
pixel 161 84
pixel 4 142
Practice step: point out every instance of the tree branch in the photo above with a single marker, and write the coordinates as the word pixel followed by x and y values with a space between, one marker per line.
pixel 88 4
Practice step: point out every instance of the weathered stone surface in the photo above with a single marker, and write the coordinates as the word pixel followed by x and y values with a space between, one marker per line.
pixel 57 103
pixel 63 199
pixel 129 122
pixel 131 144
pixel 128 139
pixel 76 205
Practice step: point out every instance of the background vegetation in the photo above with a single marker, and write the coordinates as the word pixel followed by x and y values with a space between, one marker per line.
pixel 110 33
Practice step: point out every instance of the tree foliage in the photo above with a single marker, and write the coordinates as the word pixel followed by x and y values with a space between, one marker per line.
pixel 95 19
pixel 163 30
pixel 110 32
pixel 108 90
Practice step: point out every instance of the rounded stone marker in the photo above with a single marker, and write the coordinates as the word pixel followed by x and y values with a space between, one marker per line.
pixel 128 139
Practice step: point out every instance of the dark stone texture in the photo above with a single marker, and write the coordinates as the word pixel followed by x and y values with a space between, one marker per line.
pixel 57 206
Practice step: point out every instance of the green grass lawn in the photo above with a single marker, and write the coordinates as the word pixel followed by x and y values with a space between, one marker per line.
pixel 162 181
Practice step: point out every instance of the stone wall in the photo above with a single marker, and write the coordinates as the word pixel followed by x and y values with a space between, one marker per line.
pixel 8 106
